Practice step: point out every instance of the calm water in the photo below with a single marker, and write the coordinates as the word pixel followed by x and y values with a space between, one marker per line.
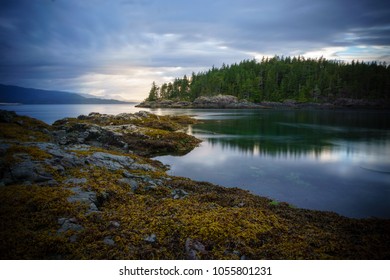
pixel 325 160
pixel 49 113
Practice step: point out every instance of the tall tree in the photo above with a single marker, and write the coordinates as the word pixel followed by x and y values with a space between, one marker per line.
pixel 153 93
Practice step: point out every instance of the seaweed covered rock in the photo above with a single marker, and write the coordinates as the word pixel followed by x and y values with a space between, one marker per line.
pixel 141 133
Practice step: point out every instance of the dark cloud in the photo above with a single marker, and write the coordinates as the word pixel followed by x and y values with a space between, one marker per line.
pixel 43 41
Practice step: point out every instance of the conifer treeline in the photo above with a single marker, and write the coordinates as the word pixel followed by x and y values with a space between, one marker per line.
pixel 281 78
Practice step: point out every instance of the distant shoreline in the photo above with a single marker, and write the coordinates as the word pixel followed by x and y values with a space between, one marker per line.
pixel 17 104
pixel 10 104
pixel 231 102
pixel 28 96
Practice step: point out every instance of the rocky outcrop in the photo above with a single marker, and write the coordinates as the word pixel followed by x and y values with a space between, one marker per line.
pixel 204 102
pixel 232 102
pixel 361 103
pixel 140 133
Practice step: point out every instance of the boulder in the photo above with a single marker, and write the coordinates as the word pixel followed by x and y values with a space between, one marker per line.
pixel 83 133
pixel 68 224
pixel 152 238
pixel 133 184
pixel 108 241
pixel 83 196
pixel 218 101
pixel 114 224
pixel 179 194
pixel 26 171
pixel 116 162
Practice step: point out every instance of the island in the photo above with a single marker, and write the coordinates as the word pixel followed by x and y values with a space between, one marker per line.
pixel 87 188
pixel 278 82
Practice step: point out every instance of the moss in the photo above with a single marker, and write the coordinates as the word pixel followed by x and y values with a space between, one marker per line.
pixel 29 220
pixel 168 123
pixel 26 130
pixel 34 152
pixel 150 134
pixel 230 223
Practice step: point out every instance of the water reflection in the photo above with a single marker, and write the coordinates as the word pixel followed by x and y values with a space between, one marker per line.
pixel 324 160
pixel 297 133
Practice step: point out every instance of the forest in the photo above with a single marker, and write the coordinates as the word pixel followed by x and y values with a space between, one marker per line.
pixel 282 78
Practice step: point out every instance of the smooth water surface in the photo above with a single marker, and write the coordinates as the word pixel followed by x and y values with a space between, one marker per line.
pixel 316 159
pixel 50 113
pixel 335 160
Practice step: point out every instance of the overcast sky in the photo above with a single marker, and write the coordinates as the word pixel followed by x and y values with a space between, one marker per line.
pixel 117 48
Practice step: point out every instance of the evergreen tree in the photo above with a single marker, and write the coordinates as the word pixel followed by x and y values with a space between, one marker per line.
pixel 153 93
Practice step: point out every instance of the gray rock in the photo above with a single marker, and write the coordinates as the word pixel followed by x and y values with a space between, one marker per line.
pixel 76 181
pixel 110 161
pixel 151 238
pixel 131 182
pixel 26 170
pixel 179 194
pixel 114 224
pixel 143 114
pixel 145 167
pixel 127 174
pixel 87 197
pixel 144 178
pixel 150 187
pixel 51 148
pixel 116 162
pixel 78 147
pixel 108 241
pixel 61 157
pixel 68 224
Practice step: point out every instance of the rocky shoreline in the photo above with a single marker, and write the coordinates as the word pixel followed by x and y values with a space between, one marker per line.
pixel 86 188
pixel 232 102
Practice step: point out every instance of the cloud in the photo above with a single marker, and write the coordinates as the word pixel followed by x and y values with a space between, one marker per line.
pixel 120 47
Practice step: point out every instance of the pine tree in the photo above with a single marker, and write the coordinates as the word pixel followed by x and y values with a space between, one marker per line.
pixel 153 93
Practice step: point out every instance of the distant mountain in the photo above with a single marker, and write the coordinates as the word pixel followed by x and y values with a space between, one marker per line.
pixel 15 94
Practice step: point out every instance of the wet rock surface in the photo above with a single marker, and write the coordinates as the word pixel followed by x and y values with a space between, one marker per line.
pixel 81 189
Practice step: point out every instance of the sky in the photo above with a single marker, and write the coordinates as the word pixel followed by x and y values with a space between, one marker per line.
pixel 117 48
